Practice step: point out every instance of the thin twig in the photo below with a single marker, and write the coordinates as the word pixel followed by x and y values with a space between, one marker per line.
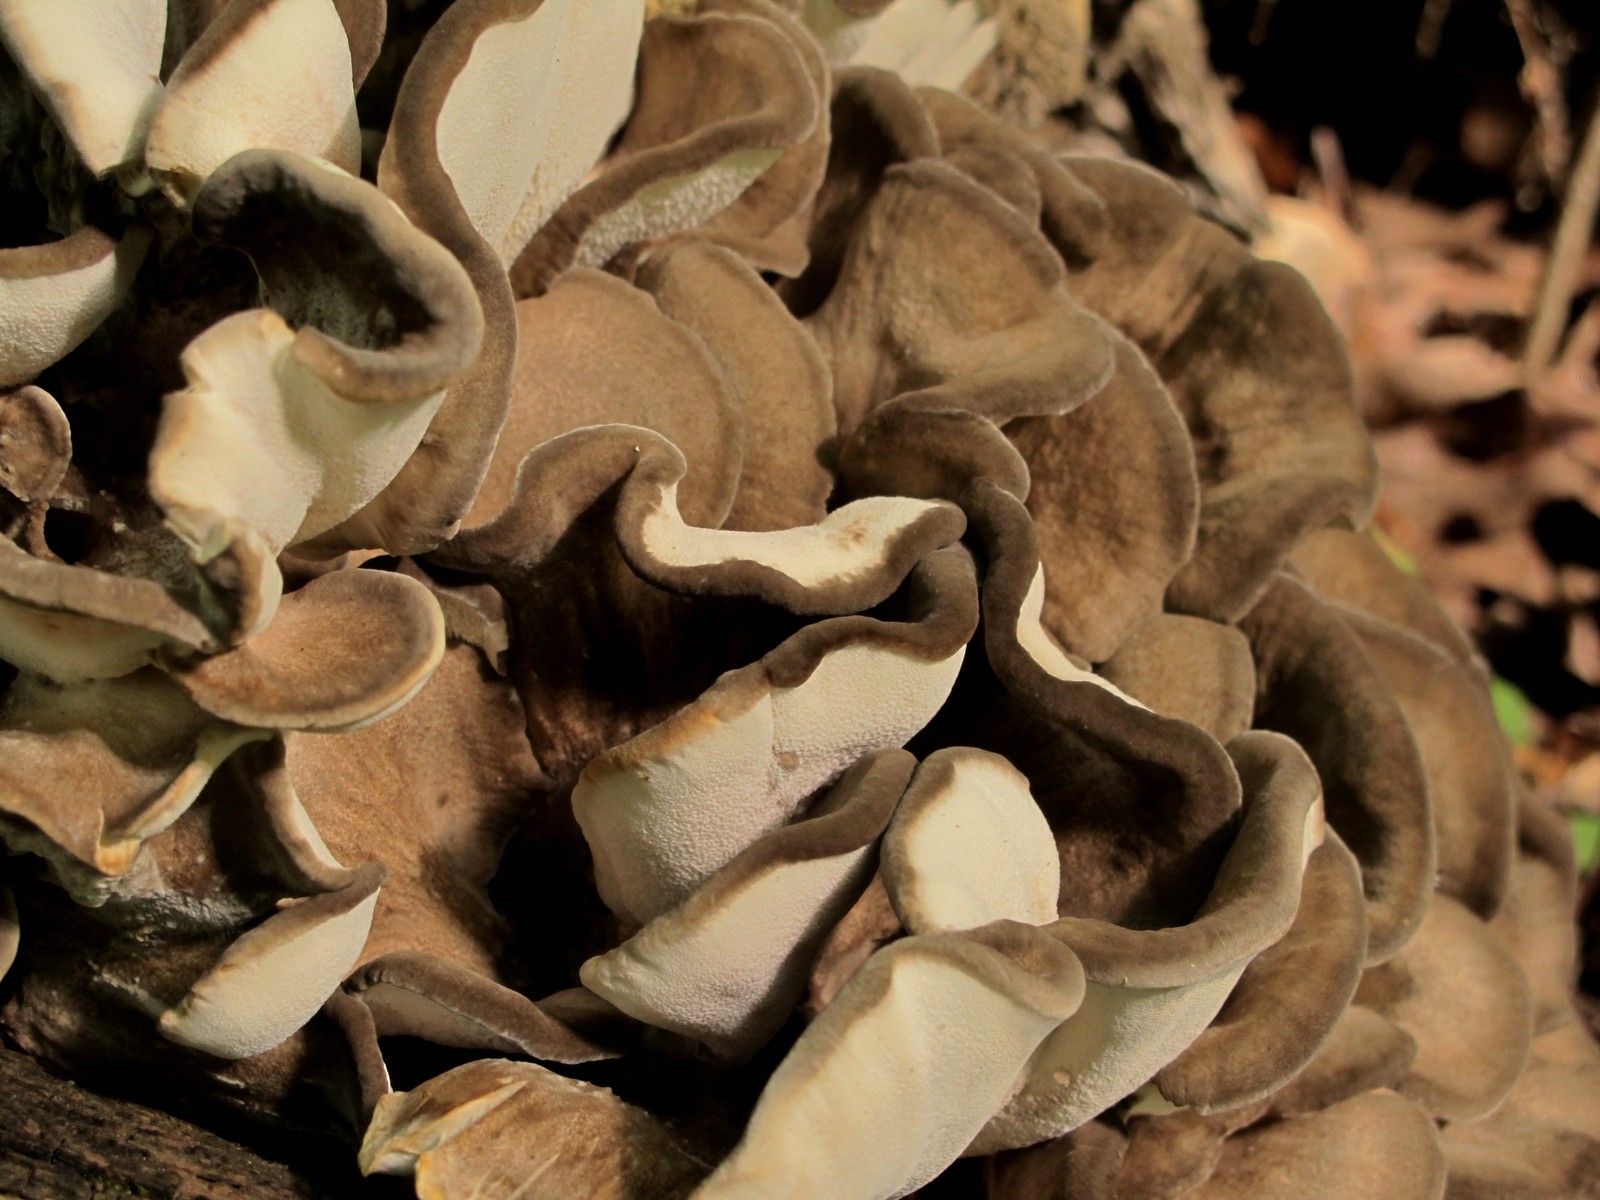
pixel 1328 154
pixel 1262 21
pixel 1540 83
pixel 1567 251
pixel 1430 27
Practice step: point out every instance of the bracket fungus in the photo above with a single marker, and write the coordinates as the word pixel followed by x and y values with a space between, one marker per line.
pixel 647 605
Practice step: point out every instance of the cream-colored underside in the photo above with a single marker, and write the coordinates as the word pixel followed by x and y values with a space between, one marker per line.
pixel 264 987
pixel 1119 1038
pixel 1042 648
pixel 849 543
pixel 980 851
pixel 284 83
pixel 257 438
pixel 43 317
pixel 663 813
pixel 395 1140
pixel 70 648
pixel 875 1100
pixel 97 64
pixel 928 43
pixel 710 979
pixel 533 110
pixel 673 204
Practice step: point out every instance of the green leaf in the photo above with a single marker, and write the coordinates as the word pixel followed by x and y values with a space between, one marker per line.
pixel 1514 711
pixel 1585 838
pixel 1396 555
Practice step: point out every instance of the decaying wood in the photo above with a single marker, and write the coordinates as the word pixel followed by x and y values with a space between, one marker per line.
pixel 1573 234
pixel 62 1142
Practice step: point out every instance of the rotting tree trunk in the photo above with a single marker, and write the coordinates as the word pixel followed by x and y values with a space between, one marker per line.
pixel 59 1141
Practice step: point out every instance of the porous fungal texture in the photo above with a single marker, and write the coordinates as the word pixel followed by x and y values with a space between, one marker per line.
pixel 792 634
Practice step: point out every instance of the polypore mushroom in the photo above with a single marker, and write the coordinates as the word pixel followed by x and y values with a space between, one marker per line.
pixel 684 154
pixel 292 432
pixel 53 295
pixel 377 638
pixel 1278 442
pixel 824 1125
pixel 767 224
pixel 768 736
pixel 275 977
pixel 292 57
pixel 35 444
pixel 632 743
pixel 456 762
pixel 1543 1140
pixel 1288 1000
pixel 10 930
pixel 118 48
pixel 1315 682
pixel 1150 993
pixel 694 970
pixel 938 42
pixel 1453 954
pixel 993 331
pixel 73 622
pixel 1467 763
pixel 94 769
pixel 227 936
pixel 763 354
pixel 1371 1144
pixel 468 1130
pixel 1185 667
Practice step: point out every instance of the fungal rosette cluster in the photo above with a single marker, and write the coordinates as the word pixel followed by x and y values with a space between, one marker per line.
pixel 788 636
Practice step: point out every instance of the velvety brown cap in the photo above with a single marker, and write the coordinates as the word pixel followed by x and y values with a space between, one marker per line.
pixel 990 328
pixel 1316 683
pixel 1461 995
pixel 1115 501
pixel 1288 1000
pixel 875 122
pixel 1377 1144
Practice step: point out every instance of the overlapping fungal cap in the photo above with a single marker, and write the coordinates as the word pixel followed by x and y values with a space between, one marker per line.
pixel 10 932
pixel 227 920
pixel 329 414
pixel 107 101
pixel 52 296
pixel 336 377
pixel 156 640
pixel 469 1131
pixel 929 699
pixel 1278 446
pixel 935 42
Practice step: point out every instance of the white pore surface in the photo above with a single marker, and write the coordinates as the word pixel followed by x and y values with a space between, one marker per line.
pixel 1119 1038
pixel 674 203
pixel 883 1092
pixel 42 317
pixel 266 985
pixel 1041 647
pixel 979 850
pixel 283 83
pixel 256 437
pixel 533 110
pixel 665 811
pixel 96 64
pixel 849 543
pixel 929 43
pixel 728 974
